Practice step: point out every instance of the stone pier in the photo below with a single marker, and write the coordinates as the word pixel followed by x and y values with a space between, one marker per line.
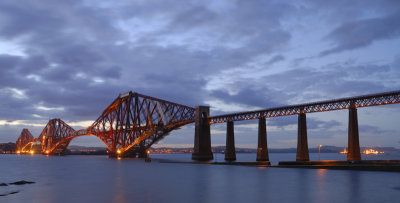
pixel 262 149
pixel 230 153
pixel 353 137
pixel 202 138
pixel 302 143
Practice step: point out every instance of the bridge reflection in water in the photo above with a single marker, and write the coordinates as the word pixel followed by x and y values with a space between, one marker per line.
pixel 133 122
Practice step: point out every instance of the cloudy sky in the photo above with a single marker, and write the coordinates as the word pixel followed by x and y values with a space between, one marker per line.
pixel 71 59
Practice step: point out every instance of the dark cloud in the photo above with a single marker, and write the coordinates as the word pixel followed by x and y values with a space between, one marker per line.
pixel 77 55
pixel 249 96
pixel 361 33
pixel 192 17
pixel 33 64
pixel 322 125
pixel 24 20
pixel 374 130
pixel 275 59
pixel 341 80
pixel 340 11
pixel 7 73
pixel 8 62
pixel 281 122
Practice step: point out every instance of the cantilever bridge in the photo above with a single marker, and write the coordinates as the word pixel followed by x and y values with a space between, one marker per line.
pixel 129 125
pixel 133 122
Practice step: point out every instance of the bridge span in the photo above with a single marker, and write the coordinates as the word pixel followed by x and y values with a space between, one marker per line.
pixel 133 122
pixel 202 137
pixel 128 126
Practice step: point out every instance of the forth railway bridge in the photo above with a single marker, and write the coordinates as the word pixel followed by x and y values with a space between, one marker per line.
pixel 133 122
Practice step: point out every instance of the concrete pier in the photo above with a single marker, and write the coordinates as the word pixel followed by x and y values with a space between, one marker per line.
pixel 302 143
pixel 202 138
pixel 353 137
pixel 230 153
pixel 262 149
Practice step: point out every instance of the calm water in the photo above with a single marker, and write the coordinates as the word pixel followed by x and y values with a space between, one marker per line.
pixel 100 179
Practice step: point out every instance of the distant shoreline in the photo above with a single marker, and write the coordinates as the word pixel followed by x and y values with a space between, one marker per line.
pixel 9 148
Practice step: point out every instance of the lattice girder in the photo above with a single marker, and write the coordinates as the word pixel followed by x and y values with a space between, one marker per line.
pixel 331 105
pixel 132 118
pixel 56 136
pixel 24 140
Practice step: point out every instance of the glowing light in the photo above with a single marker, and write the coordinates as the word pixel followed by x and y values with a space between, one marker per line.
pixel 371 151
pixel 18 152
pixel 47 151
pixel 32 152
pixel 118 151
pixel 344 151
pixel 319 151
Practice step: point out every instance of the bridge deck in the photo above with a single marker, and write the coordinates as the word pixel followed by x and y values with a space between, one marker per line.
pixel 329 105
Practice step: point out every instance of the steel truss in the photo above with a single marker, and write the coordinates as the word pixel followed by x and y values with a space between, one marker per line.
pixel 134 121
pixel 56 136
pixel 24 140
pixel 331 105
pixel 131 122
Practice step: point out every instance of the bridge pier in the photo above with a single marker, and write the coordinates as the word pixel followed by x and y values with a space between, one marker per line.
pixel 262 150
pixel 142 154
pixel 302 143
pixel 142 151
pixel 112 155
pixel 202 138
pixel 230 153
pixel 353 136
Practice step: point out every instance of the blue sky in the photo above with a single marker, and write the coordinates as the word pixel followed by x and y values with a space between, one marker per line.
pixel 70 60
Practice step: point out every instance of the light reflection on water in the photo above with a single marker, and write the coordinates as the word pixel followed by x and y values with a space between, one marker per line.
pixel 100 179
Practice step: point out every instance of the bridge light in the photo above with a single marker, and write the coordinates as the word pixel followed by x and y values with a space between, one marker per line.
pixel 32 152
pixel 47 151
pixel 18 152
pixel 118 151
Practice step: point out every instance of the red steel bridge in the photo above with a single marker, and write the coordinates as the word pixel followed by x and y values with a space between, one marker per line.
pixel 133 122
pixel 129 125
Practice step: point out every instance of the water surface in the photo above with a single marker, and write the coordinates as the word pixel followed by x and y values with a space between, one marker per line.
pixel 102 179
